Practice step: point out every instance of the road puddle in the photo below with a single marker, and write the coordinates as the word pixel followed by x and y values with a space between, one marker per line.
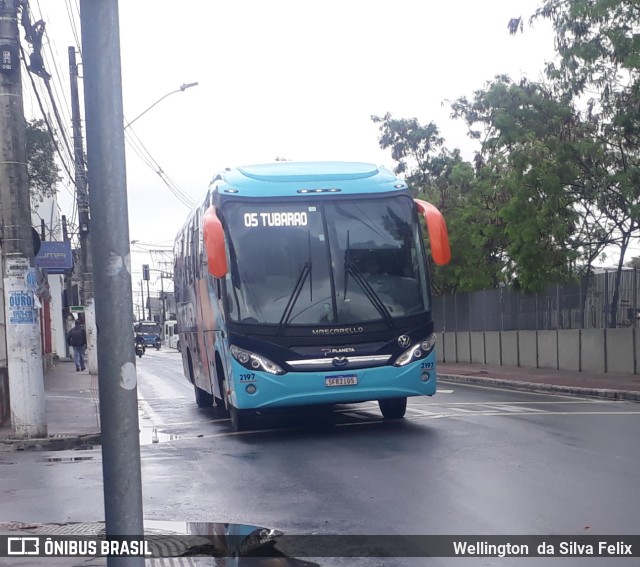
pixel 233 545
pixel 152 435
pixel 66 459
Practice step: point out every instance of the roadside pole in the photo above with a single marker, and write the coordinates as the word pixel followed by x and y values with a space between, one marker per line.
pixel 84 231
pixel 112 272
pixel 145 276
pixel 68 290
pixel 142 292
pixel 24 349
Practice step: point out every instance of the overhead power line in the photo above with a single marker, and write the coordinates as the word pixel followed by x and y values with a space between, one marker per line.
pixel 143 153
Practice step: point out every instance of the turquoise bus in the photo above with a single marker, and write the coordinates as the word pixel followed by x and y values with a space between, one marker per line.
pixel 303 284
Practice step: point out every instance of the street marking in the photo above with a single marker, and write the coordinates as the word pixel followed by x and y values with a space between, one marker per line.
pixel 466 410
pixel 513 409
pixel 421 417
pixel 420 411
pixel 531 403
pixel 367 413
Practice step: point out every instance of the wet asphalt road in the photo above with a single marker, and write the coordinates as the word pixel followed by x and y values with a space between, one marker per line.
pixel 470 460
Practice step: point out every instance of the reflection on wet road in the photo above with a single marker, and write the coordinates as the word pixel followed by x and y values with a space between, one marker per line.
pixel 168 411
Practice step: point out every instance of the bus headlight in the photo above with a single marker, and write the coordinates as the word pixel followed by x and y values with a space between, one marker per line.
pixel 254 361
pixel 416 351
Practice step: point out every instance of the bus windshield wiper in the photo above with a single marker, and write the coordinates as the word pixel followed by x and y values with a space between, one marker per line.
pixel 302 278
pixel 372 296
pixel 297 288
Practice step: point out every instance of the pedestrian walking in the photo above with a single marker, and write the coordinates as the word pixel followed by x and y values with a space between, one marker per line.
pixel 77 338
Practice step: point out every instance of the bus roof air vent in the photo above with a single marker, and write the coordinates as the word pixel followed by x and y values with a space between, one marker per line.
pixel 304 172
pixel 332 190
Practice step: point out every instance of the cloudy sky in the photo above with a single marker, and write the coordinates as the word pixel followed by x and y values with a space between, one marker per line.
pixel 292 79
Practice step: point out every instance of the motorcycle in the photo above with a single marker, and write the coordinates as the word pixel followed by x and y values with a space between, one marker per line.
pixel 139 349
pixel 157 343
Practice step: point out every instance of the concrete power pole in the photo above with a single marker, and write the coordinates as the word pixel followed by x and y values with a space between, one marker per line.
pixel 142 292
pixel 83 219
pixel 112 273
pixel 24 349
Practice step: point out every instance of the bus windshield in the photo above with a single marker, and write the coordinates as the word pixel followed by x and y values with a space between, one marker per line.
pixel 147 328
pixel 337 262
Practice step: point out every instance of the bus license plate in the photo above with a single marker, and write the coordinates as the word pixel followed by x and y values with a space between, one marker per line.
pixel 347 380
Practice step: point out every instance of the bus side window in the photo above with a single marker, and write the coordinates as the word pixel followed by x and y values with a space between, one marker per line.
pixel 193 252
pixel 197 239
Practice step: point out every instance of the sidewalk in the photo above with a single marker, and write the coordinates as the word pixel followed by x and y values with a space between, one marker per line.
pixel 73 418
pixel 611 386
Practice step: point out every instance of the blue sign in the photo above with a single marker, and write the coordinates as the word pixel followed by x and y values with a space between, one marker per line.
pixel 55 257
pixel 21 308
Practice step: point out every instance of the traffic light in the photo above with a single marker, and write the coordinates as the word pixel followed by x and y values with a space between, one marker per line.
pixel 145 272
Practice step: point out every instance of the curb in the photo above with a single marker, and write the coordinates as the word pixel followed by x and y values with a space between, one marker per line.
pixel 53 443
pixel 626 395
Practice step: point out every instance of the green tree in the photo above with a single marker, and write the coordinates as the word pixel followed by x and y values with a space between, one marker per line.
pixel 44 173
pixel 509 216
pixel 443 178
pixel 634 262
pixel 599 69
pixel 526 137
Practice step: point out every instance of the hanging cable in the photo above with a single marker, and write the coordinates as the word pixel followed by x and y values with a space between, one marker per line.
pixel 144 154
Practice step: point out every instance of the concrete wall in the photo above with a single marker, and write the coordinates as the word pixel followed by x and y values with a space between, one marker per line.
pixel 449 350
pixel 592 355
pixel 620 355
pixel 588 350
pixel 477 347
pixel 464 347
pixel 509 354
pixel 492 347
pixel 569 350
pixel 548 349
pixel 440 347
pixel 528 349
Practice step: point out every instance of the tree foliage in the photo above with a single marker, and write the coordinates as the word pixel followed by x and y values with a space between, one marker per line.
pixel 509 219
pixel 446 180
pixel 44 173
pixel 598 44
pixel 555 180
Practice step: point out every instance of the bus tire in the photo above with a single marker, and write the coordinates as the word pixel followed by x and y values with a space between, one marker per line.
pixel 393 408
pixel 241 420
pixel 203 398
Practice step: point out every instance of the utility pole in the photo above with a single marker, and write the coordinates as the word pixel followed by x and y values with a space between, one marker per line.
pixel 164 307
pixel 117 380
pixel 142 292
pixel 24 347
pixel 145 276
pixel 86 269
pixel 68 284
pixel 149 301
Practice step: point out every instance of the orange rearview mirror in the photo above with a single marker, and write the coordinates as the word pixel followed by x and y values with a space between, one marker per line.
pixel 214 243
pixel 438 235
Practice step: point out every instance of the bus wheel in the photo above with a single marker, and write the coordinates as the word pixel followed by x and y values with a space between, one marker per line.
pixel 241 420
pixel 203 398
pixel 393 408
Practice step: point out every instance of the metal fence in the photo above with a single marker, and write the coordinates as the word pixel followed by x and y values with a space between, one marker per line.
pixel 586 304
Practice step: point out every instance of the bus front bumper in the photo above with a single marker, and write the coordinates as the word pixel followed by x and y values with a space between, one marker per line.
pixel 261 390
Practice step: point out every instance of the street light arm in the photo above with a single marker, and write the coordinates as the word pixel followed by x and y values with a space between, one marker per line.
pixel 182 88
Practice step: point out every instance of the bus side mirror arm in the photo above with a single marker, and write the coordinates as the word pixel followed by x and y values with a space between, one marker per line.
pixel 438 235
pixel 214 244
